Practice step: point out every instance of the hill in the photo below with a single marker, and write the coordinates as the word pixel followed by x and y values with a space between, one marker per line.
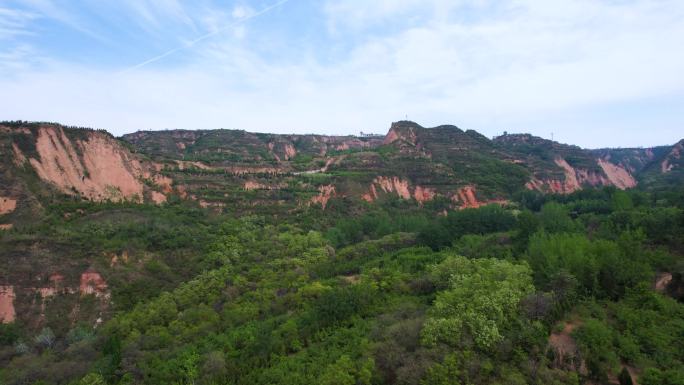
pixel 222 256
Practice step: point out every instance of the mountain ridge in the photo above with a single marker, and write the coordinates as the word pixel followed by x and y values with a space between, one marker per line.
pixel 238 169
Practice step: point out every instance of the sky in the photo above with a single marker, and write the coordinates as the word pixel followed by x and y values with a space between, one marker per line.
pixel 595 73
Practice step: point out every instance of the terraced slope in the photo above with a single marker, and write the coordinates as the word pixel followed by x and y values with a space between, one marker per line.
pixel 249 172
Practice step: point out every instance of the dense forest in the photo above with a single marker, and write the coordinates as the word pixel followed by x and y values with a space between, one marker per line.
pixel 546 289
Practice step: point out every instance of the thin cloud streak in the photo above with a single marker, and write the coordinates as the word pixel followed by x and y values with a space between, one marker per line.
pixel 204 37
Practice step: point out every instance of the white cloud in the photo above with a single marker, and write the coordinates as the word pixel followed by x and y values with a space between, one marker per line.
pixel 358 14
pixel 214 20
pixel 241 12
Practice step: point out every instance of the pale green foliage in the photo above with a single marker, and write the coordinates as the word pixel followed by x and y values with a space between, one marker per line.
pixel 483 295
pixel 339 373
pixel 92 379
pixel 189 366
pixel 46 338
pixel 21 348
pixel 304 250
pixel 224 251
pixel 206 288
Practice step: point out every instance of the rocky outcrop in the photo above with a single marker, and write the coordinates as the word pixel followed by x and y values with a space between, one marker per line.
pixel 93 283
pixel 7 313
pixel 385 184
pixel 290 151
pixel 662 281
pixel 19 157
pixel 46 292
pixel 371 195
pixel 571 183
pixel 324 194
pixel 7 205
pixel 394 185
pixel 424 194
pixel 617 175
pixel 56 280
pixel 282 151
pixel 97 168
pixel 553 186
pixel 535 184
pixel 466 198
pixel 404 131
pixel 116 259
pixel 670 160
pixel 399 186
pixel 164 182
pixel 576 178
pixel 157 197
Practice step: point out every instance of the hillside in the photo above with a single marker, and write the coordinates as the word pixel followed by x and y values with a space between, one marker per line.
pixel 228 257
pixel 667 167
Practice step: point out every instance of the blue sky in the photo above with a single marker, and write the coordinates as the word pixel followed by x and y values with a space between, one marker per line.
pixel 594 72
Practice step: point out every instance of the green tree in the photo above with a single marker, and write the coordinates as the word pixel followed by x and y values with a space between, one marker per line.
pixel 652 376
pixel 189 366
pixel 340 373
pixel 445 373
pixel 9 333
pixel 549 254
pixel 528 223
pixel 481 300
pixel 621 201
pixel 596 342
pixel 554 218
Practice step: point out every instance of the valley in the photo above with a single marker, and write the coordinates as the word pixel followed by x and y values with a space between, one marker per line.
pixel 425 256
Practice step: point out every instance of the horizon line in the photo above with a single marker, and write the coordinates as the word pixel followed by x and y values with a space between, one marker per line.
pixel 504 133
